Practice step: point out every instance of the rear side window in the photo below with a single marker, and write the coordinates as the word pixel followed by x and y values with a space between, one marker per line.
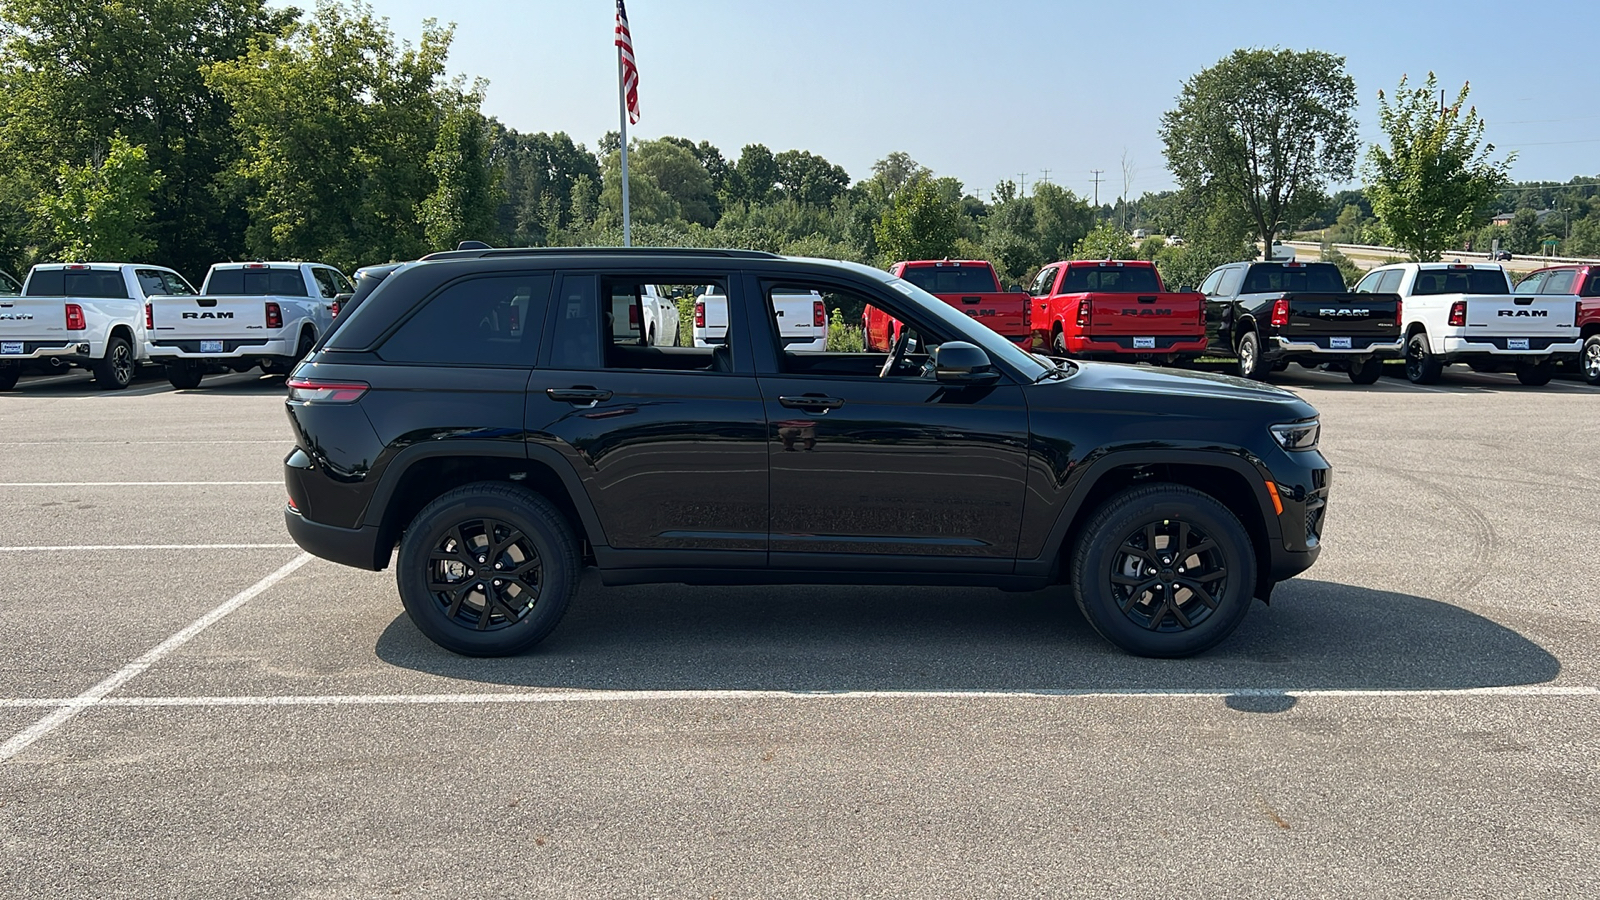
pixel 1460 281
pixel 1110 280
pixel 1591 284
pixel 1229 285
pixel 491 321
pixel 1043 283
pixel 1560 281
pixel 1312 279
pixel 101 284
pixel 257 283
pixel 951 279
pixel 1390 282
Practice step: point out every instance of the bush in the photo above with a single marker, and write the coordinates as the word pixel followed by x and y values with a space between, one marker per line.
pixel 1349 270
pixel 844 338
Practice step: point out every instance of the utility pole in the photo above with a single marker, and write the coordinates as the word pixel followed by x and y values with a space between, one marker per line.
pixel 1097 179
pixel 1045 179
pixel 1022 177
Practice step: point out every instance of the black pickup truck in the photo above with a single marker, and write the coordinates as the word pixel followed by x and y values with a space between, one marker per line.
pixel 1266 315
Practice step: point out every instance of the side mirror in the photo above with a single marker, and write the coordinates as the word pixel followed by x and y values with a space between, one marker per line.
pixel 958 362
pixel 1014 289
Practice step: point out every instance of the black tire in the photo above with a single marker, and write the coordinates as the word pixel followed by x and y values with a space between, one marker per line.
pixel 1589 361
pixel 1366 371
pixel 1137 597
pixel 185 375
pixel 1537 375
pixel 1249 363
pixel 1058 342
pixel 445 541
pixel 115 370
pixel 1422 367
pixel 9 376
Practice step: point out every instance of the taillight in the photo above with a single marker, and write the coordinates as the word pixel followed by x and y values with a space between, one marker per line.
pixel 1458 314
pixel 274 316
pixel 699 314
pixel 311 390
pixel 1083 312
pixel 75 321
pixel 633 317
pixel 149 318
pixel 334 309
pixel 1280 312
pixel 819 316
pixel 1399 315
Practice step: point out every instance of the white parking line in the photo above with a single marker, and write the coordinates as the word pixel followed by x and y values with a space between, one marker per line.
pixel 32 484
pixel 98 693
pixel 75 443
pixel 21 549
pixel 601 696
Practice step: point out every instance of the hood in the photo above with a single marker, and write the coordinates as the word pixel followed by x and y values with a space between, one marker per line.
pixel 1180 387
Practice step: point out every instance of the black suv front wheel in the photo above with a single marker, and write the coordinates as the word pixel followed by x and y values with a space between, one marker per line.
pixel 487 569
pixel 1164 571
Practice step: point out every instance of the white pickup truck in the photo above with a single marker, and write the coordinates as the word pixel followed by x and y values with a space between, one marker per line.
pixel 1466 313
pixel 641 315
pixel 266 314
pixel 801 318
pixel 89 315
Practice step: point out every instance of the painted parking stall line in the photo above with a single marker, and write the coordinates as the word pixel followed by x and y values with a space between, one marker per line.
pixel 39 484
pixel 73 548
pixel 97 694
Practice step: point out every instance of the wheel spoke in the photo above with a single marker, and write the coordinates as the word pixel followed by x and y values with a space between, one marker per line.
pixel 501 547
pixel 1199 591
pixel 490 601
pixel 461 592
pixel 1138 591
pixel 1177 612
pixel 1204 545
pixel 1160 614
pixel 1208 577
pixel 1145 555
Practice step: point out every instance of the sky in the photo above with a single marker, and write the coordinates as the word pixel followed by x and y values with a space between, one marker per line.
pixel 985 91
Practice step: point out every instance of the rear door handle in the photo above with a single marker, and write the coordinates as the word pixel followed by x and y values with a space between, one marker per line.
pixel 587 395
pixel 811 401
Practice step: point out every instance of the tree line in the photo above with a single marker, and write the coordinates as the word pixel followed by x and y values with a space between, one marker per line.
pixel 185 132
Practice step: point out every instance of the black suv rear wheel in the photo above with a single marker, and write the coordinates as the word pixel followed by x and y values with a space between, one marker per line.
pixel 1164 571
pixel 487 569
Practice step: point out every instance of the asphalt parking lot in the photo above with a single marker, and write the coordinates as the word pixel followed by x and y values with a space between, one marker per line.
pixel 189 706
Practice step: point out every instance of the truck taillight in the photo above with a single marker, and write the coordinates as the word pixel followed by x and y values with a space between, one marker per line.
pixel 699 314
pixel 1280 312
pixel 819 316
pixel 1083 312
pixel 1458 314
pixel 274 315
pixel 1399 314
pixel 149 318
pixel 333 309
pixel 75 321
pixel 312 390
pixel 633 317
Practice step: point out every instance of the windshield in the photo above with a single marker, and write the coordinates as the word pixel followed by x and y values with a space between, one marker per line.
pixel 1460 281
pixel 1316 278
pixel 952 279
pixel 1027 365
pixel 1110 280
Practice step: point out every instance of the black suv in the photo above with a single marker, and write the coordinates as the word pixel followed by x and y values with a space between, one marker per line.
pixel 499 416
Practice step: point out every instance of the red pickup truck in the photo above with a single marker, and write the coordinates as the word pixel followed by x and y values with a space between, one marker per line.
pixel 1116 310
pixel 968 285
pixel 1582 283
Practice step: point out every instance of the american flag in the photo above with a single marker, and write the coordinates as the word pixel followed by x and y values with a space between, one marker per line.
pixel 630 71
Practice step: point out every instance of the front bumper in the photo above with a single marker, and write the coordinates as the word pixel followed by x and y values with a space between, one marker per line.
pixel 250 348
pixel 1303 480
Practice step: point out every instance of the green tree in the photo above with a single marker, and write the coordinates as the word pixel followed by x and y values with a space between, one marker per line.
pixel 1348 270
pixel 467 189
pixel 1263 131
pixel 1522 235
pixel 894 172
pixel 648 204
pixel 1106 241
pixel 754 176
pixel 1435 179
pixel 1061 220
pixel 542 198
pixel 809 178
pixel 677 173
pixel 101 211
pixel 918 224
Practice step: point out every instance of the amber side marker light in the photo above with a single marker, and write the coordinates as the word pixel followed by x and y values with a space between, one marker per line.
pixel 1277 502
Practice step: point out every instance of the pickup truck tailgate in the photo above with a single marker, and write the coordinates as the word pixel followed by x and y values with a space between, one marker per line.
pixel 1509 315
pixel 1006 313
pixel 25 320
pixel 201 318
pixel 1154 314
pixel 1328 320
pixel 801 318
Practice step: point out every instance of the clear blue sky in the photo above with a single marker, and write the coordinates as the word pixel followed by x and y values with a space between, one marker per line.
pixel 986 90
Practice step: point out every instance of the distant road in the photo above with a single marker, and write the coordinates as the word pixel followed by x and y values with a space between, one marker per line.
pixel 1371 258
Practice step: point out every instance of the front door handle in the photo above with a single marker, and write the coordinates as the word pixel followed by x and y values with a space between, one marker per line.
pixel 587 395
pixel 811 401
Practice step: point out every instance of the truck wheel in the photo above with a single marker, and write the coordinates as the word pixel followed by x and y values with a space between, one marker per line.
pixel 1535 375
pixel 1058 342
pixel 114 371
pixel 1591 359
pixel 9 376
pixel 1422 367
pixel 1366 371
pixel 1249 355
pixel 185 375
pixel 1163 570
pixel 487 569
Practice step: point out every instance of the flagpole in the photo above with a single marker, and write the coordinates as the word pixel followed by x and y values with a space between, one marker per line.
pixel 622 100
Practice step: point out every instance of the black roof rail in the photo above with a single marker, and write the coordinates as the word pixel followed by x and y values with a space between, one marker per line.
pixel 601 251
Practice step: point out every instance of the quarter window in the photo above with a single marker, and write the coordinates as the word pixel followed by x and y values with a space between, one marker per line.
pixel 1390 282
pixel 491 321
pixel 1559 282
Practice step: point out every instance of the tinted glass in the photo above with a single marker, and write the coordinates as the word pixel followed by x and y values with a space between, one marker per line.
pixel 175 285
pixel 951 279
pixel 1390 282
pixel 1230 282
pixel 1316 278
pixel 101 284
pixel 8 285
pixel 478 322
pixel 257 283
pixel 325 282
pixel 1460 281
pixel 1209 286
pixel 1560 282
pixel 1591 284
pixel 1043 283
pixel 1110 280
pixel 577 324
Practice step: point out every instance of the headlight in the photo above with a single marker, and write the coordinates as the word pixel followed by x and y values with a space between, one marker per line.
pixel 1298 435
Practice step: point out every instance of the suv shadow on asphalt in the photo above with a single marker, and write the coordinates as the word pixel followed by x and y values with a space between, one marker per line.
pixel 1315 635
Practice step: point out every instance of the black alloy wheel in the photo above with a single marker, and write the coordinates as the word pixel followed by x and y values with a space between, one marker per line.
pixel 1058 340
pixel 487 569
pixel 1591 359
pixel 1422 367
pixel 1164 570
pixel 115 370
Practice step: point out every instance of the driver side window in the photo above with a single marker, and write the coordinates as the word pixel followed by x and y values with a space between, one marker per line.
pixel 823 330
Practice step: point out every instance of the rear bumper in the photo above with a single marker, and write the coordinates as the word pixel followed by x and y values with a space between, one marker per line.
pixel 232 348
pixel 357 547
pixel 76 351
pixel 1132 346
pixel 1392 349
pixel 1457 347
